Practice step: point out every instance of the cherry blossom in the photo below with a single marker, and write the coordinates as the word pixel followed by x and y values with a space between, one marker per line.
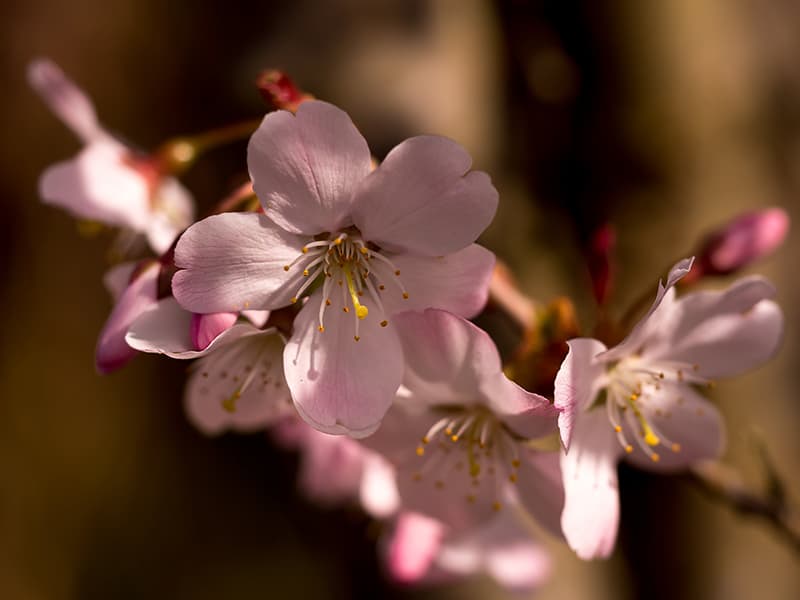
pixel 237 381
pixel 458 437
pixel 641 399
pixel 361 245
pixel 107 181
pixel 420 550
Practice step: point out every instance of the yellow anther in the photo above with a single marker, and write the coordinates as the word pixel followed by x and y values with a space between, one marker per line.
pixel 420 450
pixel 361 311
pixel 676 447
pixel 416 477
pixel 439 484
pixel 285 267
pixel 448 431
pixel 471 499
pixel 661 376
pixel 425 440
pixel 515 463
pixel 338 241
pixel 397 272
pixel 384 323
pixel 381 287
pixel 617 428
pixel 628 448
pixel 496 506
pixel 321 329
pixel 356 337
pixel 345 309
pixel 655 457
pixel 327 302
pixel 305 273
pixel 405 295
pixel 229 404
pixel 294 300
pixel 304 250
pixel 650 438
pixel 634 397
pixel 363 250
pixel 454 438
pixel 246 304
pixel 512 478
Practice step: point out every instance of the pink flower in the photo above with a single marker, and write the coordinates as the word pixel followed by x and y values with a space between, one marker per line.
pixel 107 182
pixel 362 245
pixel 458 438
pixel 237 382
pixel 336 469
pixel 421 551
pixel 640 399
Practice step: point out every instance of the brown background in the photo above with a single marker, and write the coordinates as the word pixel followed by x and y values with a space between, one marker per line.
pixel 666 118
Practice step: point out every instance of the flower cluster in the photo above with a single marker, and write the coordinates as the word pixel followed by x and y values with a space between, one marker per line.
pixel 328 304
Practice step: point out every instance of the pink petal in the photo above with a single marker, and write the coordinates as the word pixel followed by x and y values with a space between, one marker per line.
pixel 112 352
pixel 636 338
pixel 458 282
pixel 503 548
pixel 413 546
pixel 527 414
pixel 235 261
pixel 331 468
pixel 205 328
pixel 240 385
pixel 117 278
pixel 424 199
pixel 340 385
pixel 723 332
pixel 378 491
pixel 98 185
pixel 577 383
pixel 447 358
pixel 591 498
pixel 172 212
pixel 65 99
pixel 258 318
pixel 305 167
pixel 540 487
pixel 166 328
pixel 684 417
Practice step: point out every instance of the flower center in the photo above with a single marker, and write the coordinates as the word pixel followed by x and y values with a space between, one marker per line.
pixel 346 261
pixel 470 443
pixel 634 388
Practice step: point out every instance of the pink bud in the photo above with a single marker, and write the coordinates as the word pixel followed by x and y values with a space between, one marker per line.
pixel 205 328
pixel 744 240
pixel 279 90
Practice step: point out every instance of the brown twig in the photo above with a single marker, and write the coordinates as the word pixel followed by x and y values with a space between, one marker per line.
pixel 724 484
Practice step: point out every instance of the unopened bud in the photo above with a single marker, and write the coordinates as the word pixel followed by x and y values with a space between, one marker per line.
pixel 741 242
pixel 280 91
pixel 205 328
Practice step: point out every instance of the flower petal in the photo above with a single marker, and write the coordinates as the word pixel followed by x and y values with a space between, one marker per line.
pixel 235 261
pixel 685 417
pixel 414 543
pixel 98 185
pixel 166 328
pixel 331 468
pixel 205 328
pixel 172 212
pixel 378 491
pixel 447 358
pixel 540 488
pixel 527 414
pixel 723 332
pixel 240 385
pixel 591 498
pixel 65 99
pixel 636 338
pixel 424 199
pixel 577 383
pixel 458 282
pixel 112 352
pixel 305 167
pixel 117 278
pixel 340 385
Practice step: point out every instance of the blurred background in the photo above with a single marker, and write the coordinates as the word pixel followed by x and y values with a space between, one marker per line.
pixel 665 118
